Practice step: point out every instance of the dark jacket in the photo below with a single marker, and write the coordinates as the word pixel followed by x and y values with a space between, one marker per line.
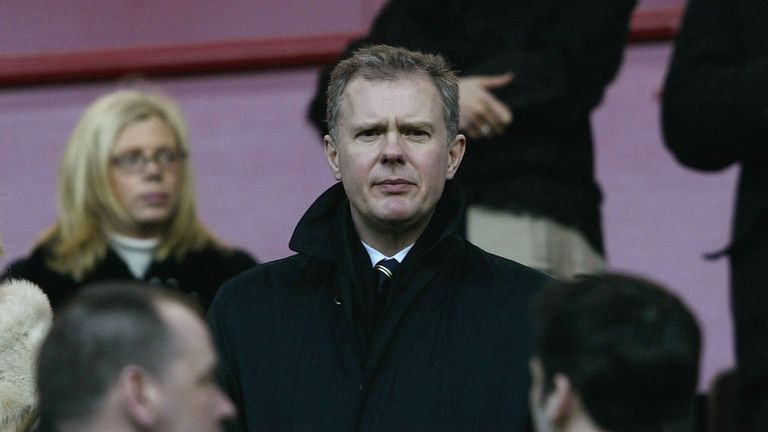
pixel 716 99
pixel 200 273
pixel 563 54
pixel 715 114
pixel 450 351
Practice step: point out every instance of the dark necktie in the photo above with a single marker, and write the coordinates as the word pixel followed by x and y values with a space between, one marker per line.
pixel 385 271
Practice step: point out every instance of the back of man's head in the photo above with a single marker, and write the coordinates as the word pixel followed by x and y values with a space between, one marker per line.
pixel 628 350
pixel 103 330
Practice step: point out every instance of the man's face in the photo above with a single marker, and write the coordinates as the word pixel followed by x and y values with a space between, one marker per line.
pixel 393 154
pixel 193 402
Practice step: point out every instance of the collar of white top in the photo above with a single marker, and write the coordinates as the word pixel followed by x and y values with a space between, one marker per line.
pixel 132 243
pixel 136 253
pixel 377 256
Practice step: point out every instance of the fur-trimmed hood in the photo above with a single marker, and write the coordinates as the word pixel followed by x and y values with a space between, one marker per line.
pixel 25 317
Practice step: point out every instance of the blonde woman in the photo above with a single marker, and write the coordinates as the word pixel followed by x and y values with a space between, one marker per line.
pixel 127 207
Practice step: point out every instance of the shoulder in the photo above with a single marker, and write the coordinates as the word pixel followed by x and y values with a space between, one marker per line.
pixel 495 266
pixel 229 260
pixel 262 282
pixel 35 259
pixel 498 274
pixel 499 294
pixel 34 268
pixel 238 256
pixel 254 301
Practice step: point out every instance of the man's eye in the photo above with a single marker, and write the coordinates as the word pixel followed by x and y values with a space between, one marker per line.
pixel 368 133
pixel 416 133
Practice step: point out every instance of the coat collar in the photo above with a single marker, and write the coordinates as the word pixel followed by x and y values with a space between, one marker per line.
pixel 321 230
pixel 326 233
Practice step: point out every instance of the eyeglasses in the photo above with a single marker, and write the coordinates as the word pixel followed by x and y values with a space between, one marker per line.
pixel 136 161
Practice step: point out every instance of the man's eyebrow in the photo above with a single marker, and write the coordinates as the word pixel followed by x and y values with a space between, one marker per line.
pixel 367 124
pixel 417 125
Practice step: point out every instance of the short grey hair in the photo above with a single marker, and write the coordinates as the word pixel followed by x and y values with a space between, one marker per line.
pixel 383 62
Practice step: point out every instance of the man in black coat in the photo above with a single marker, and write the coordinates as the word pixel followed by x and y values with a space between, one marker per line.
pixel 338 337
pixel 531 72
pixel 715 115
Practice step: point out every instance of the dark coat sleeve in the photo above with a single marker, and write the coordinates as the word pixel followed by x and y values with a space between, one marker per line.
pixel 569 62
pixel 716 94
pixel 561 66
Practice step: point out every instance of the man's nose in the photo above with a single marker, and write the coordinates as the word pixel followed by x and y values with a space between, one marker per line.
pixel 393 147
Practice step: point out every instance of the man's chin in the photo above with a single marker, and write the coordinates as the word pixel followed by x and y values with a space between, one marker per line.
pixel 401 221
pixel 396 216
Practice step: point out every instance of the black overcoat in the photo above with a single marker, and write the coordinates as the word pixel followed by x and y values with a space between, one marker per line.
pixel 450 351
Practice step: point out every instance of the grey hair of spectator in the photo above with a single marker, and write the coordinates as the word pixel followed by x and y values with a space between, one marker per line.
pixel 382 62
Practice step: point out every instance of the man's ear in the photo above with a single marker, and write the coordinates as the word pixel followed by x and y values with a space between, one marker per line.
pixel 141 396
pixel 560 402
pixel 332 155
pixel 455 154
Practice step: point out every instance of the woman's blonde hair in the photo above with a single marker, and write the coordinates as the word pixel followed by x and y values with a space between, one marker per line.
pixel 88 207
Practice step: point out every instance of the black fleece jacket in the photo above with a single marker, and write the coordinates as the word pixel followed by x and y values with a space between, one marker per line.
pixel 199 274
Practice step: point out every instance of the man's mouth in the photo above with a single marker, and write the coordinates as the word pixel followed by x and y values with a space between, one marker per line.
pixel 394 185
